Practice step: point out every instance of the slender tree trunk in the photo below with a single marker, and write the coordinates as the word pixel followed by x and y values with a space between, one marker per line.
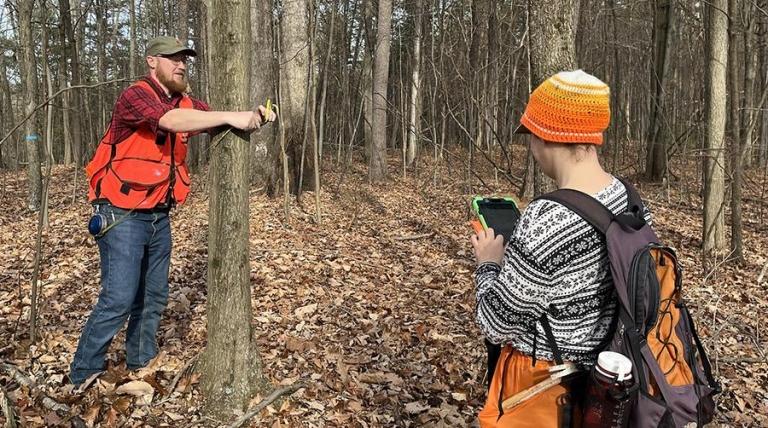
pixel 29 77
pixel 735 80
pixel 132 28
pixel 101 51
pixel 71 52
pixel 265 154
pixel 10 154
pixel 367 76
pixel 658 133
pixel 377 169
pixel 750 78
pixel 65 110
pixel 413 122
pixel 326 78
pixel 552 29
pixel 294 27
pixel 230 366
pixel 714 170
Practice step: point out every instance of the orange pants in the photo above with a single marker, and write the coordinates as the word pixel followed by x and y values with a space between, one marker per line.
pixel 541 411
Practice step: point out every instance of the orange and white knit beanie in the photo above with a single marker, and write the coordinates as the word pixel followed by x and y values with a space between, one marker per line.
pixel 569 107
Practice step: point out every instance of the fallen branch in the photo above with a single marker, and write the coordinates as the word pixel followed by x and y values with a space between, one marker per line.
pixel 413 237
pixel 746 360
pixel 286 390
pixel 762 274
pixel 47 402
pixel 7 406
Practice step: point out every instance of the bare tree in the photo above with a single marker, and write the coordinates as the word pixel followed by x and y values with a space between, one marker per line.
pixel 552 49
pixel 230 365
pixel 295 89
pixel 377 166
pixel 29 77
pixel 265 153
pixel 658 133
pixel 714 169
pixel 10 154
pixel 413 122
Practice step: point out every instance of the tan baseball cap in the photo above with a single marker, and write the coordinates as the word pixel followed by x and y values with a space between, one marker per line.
pixel 166 46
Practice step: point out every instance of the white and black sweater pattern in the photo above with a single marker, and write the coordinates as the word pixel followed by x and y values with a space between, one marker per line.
pixel 555 260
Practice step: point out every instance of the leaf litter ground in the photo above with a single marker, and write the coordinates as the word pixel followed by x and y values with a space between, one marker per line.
pixel 373 307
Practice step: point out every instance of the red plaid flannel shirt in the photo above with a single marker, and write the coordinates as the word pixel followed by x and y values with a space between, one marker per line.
pixel 136 108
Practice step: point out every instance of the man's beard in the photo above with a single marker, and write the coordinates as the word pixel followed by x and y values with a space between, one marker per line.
pixel 172 85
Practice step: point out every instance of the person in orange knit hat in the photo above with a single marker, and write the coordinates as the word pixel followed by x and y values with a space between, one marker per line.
pixel 547 297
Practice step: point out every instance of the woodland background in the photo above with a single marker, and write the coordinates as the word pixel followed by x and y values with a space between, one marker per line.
pixel 392 115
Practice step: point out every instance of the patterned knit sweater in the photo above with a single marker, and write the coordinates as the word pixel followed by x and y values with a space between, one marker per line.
pixel 555 262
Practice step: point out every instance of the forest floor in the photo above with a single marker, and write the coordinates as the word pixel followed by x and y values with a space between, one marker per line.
pixel 372 308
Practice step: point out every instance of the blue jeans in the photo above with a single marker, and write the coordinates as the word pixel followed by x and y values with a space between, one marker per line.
pixel 135 255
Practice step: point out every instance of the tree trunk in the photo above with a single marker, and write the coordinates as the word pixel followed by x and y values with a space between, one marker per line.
pixel 230 366
pixel 552 26
pixel 750 78
pixel 763 144
pixel 101 51
pixel 10 154
pixel 714 172
pixel 377 167
pixel 29 77
pixel 265 153
pixel 132 48
pixel 294 30
pixel 658 133
pixel 735 80
pixel 326 78
pixel 413 122
pixel 367 78
pixel 71 52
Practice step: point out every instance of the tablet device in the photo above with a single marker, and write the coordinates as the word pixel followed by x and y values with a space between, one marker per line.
pixel 501 214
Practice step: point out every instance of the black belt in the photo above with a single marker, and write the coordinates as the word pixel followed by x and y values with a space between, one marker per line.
pixel 159 209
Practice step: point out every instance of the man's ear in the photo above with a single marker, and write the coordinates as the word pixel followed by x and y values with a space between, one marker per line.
pixel 151 62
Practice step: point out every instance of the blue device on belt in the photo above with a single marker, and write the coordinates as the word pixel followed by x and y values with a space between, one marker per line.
pixel 97 224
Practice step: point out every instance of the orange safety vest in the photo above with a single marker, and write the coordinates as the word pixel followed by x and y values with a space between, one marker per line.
pixel 516 372
pixel 138 172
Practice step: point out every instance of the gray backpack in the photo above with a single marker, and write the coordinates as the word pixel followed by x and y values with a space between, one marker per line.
pixel 674 383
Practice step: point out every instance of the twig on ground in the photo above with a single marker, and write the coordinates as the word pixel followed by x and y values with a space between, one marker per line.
pixel 286 390
pixel 748 360
pixel 47 402
pixel 7 406
pixel 413 237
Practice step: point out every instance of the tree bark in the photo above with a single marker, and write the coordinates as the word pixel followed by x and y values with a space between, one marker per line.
pixel 377 167
pixel 71 52
pixel 230 365
pixel 9 148
pixel 294 27
pixel 552 27
pixel 750 77
pixel 265 152
pixel 29 77
pixel 713 239
pixel 132 31
pixel 415 101
pixel 658 133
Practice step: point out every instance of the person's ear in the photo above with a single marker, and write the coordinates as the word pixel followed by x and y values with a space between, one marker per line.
pixel 151 62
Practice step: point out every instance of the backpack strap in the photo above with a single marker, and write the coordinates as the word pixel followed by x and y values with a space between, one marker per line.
pixel 587 207
pixel 633 197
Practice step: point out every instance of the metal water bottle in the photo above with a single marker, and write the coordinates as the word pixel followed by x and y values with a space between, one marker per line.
pixel 607 401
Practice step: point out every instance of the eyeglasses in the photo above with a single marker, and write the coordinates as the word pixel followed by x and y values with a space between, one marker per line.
pixel 175 59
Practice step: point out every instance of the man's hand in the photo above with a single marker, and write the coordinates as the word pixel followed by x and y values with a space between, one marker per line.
pixel 245 120
pixel 488 246
pixel 267 115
